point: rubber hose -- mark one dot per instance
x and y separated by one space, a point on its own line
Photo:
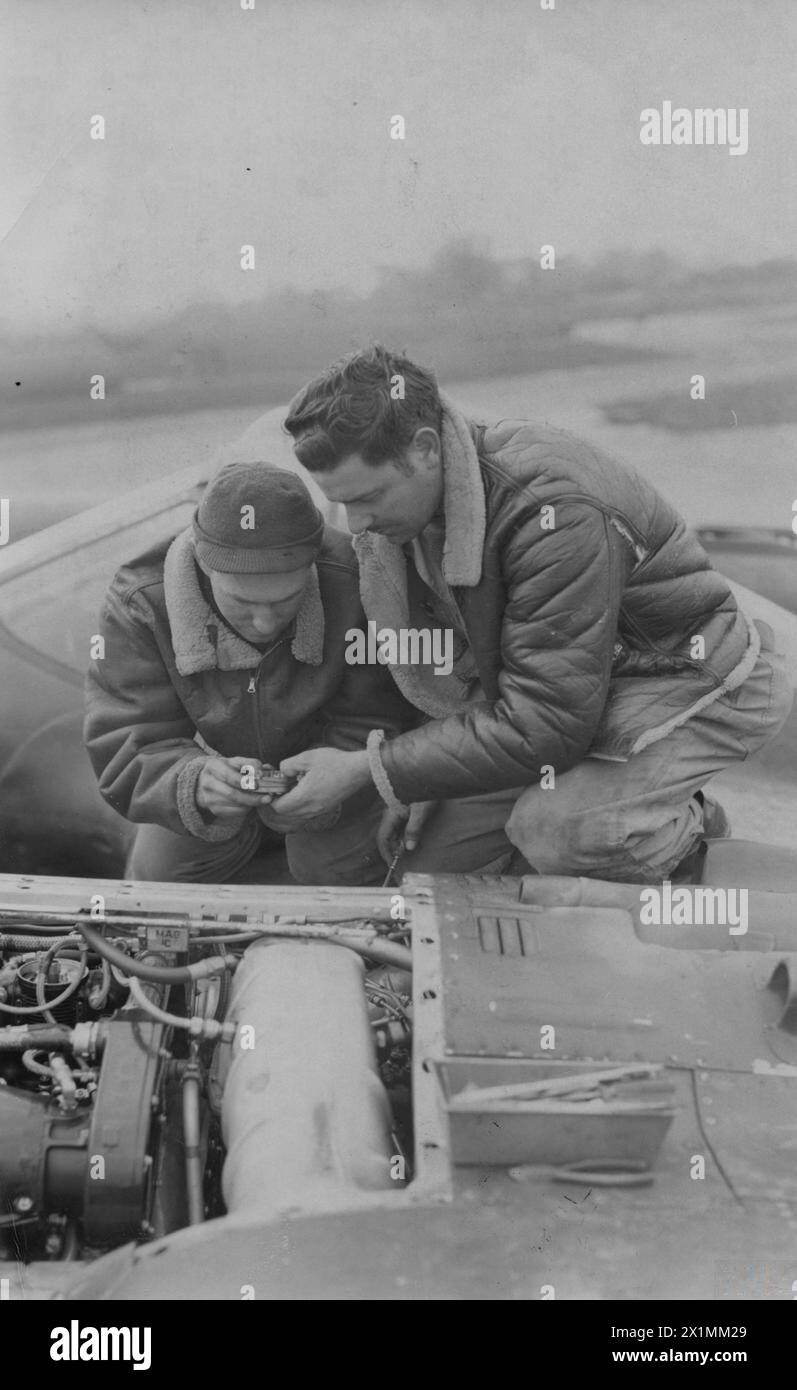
193 1169
164 974
43 1038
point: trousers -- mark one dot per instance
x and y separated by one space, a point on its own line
462 836
634 821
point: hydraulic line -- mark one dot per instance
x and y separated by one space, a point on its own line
88 1038
98 997
386 952
43 1039
191 1132
208 1028
43 1069
27 943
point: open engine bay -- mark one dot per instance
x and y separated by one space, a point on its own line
361 1092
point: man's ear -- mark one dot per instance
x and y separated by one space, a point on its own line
426 445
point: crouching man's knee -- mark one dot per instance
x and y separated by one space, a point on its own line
556 837
535 828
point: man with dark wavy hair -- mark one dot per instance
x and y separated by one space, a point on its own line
604 671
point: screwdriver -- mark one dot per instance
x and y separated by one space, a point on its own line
393 864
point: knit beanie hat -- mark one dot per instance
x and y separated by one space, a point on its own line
255 518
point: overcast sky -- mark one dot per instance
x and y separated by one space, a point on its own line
271 127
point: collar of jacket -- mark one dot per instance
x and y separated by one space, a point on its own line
383 566
203 642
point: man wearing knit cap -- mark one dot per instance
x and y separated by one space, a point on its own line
224 655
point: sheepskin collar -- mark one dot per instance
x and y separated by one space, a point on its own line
202 641
383 566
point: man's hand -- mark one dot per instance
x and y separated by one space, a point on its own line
219 791
396 828
326 777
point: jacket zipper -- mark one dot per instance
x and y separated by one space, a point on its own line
252 689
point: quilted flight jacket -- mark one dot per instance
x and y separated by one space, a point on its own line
582 592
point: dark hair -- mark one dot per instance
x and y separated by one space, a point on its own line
349 409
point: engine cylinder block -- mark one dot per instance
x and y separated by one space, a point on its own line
305 1118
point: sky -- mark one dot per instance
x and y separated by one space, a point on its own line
271 127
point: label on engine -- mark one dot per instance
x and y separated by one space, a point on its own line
167 938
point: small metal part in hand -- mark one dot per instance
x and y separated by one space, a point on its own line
393 865
275 782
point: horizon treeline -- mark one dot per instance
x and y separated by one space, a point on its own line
465 314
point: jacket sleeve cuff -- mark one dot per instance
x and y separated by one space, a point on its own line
381 780
189 812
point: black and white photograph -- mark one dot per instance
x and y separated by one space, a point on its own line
398 635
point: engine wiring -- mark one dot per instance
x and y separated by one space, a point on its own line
155 989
